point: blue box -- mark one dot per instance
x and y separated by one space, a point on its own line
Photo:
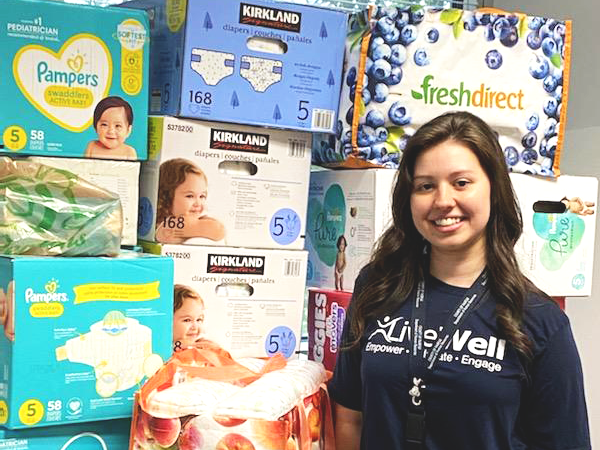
78 336
103 435
202 66
74 80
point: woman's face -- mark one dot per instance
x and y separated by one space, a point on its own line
113 127
188 322
450 201
189 197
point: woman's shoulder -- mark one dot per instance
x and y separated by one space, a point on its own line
542 318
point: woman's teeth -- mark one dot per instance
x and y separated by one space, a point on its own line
447 221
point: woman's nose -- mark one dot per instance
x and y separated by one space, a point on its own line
444 197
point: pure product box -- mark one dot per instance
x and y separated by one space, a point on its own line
213 183
102 435
327 310
120 177
253 298
80 335
254 62
347 212
77 80
556 249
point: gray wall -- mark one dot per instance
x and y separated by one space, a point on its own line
581 156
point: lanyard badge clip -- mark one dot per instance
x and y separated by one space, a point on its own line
415 391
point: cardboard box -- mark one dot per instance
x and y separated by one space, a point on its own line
556 250
103 435
254 62
59 61
249 185
327 310
253 298
80 335
347 212
120 177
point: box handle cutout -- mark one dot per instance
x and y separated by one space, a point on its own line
548 207
267 45
237 168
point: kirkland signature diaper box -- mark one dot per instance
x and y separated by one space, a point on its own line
255 62
120 177
80 335
101 435
347 212
210 183
77 80
253 298
327 311
556 249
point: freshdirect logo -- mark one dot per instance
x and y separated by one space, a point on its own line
483 97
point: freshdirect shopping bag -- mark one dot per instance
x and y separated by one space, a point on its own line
407 65
205 399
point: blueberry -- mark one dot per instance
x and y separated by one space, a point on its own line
432 35
545 31
381 134
390 11
339 127
488 33
398 55
385 25
347 150
420 57
535 23
398 114
364 152
538 67
381 92
366 96
546 164
402 20
529 156
375 118
557 94
510 38
550 128
395 77
392 37
493 59
376 42
395 157
551 146
368 64
349 115
483 19
351 76
381 69
380 52
534 41
533 121
559 32
408 34
378 150
549 46
365 136
511 155
501 27
352 93
529 140
550 106
346 137
416 16
550 83
470 24
512 19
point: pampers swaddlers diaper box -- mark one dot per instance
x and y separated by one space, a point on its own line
254 62
80 335
347 212
556 249
77 80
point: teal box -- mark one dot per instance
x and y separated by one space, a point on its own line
78 336
104 435
74 80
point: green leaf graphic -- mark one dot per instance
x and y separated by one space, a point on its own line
556 60
416 95
457 28
450 16
522 28
394 135
415 8
361 107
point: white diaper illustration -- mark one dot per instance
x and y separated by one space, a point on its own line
120 350
260 72
212 66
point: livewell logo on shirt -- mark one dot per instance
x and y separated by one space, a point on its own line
394 336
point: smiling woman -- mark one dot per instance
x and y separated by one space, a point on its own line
447 345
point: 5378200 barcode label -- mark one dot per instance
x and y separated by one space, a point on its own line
322 119
291 267
296 148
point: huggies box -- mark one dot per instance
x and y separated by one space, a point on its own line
327 310
120 177
74 79
80 335
254 62
556 249
209 183
347 212
101 435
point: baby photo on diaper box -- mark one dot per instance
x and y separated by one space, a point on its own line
209 183
77 78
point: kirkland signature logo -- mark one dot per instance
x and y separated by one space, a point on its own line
243 264
263 16
238 140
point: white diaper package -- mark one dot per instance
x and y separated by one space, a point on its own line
120 177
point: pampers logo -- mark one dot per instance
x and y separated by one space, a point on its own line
239 140
481 97
397 337
70 78
51 294
254 265
263 16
